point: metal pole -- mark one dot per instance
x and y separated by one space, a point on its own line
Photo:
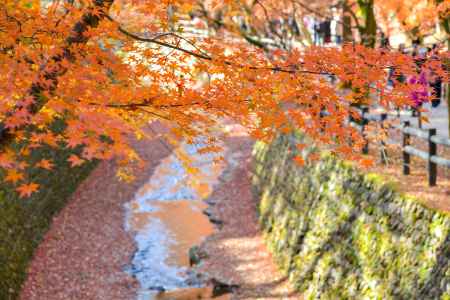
432 151
383 153
406 156
364 124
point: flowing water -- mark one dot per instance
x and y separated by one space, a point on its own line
167 220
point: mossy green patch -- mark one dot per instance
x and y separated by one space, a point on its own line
24 221
340 234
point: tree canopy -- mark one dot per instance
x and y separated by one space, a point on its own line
107 68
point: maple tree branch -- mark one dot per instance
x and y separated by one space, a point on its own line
19 23
156 40
145 103
88 20
348 8
155 114
129 106
203 55
266 14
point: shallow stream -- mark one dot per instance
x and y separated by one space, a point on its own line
166 219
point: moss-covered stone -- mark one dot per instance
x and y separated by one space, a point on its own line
340 234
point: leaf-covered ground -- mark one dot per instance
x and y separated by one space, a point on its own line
84 254
237 253
415 184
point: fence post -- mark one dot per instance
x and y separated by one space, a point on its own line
364 123
432 150
406 156
383 153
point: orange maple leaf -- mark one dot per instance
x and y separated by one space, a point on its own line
25 190
266 93
300 147
22 165
75 160
6 159
367 162
45 164
299 160
13 176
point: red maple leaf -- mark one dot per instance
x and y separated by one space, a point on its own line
75 160
25 190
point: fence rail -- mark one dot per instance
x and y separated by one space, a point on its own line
429 135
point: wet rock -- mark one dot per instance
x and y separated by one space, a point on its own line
157 288
212 288
210 202
196 255
217 222
207 212
195 279
220 288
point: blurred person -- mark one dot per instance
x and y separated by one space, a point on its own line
420 94
436 80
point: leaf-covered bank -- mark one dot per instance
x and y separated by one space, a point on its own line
341 234
24 221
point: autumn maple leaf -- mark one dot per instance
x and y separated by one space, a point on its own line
6 159
299 160
97 88
367 162
45 164
75 160
22 165
25 190
13 176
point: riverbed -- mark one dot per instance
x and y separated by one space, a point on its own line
166 217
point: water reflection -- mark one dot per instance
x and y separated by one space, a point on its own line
166 218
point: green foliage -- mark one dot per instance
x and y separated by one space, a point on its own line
339 234
24 221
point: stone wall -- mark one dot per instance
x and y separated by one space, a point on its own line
341 234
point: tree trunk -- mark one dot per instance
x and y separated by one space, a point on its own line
89 20
369 30
347 35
